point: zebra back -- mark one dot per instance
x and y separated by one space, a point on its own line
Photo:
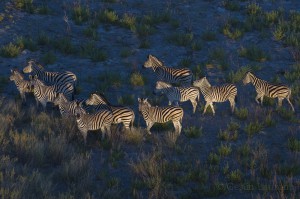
182 76
159 114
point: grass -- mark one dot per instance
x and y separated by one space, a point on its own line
134 136
193 132
27 43
235 176
108 16
226 135
91 32
25 5
80 13
219 56
213 159
126 100
128 21
253 128
224 150
10 50
181 38
253 53
294 144
209 36
136 79
93 52
64 45
108 80
231 5
241 113
49 58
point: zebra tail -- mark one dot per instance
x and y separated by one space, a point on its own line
132 121
290 93
235 99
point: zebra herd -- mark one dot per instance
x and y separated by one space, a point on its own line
59 88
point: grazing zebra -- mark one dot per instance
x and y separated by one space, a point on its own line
178 94
121 114
216 93
263 88
156 114
50 78
22 85
101 119
182 76
44 94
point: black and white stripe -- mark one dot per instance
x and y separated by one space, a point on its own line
50 78
216 93
157 114
44 94
102 120
178 94
263 88
22 85
66 107
181 76
121 114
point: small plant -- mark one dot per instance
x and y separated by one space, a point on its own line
126 52
231 5
294 144
181 39
244 150
219 56
108 16
49 58
193 132
91 51
278 33
235 176
288 115
26 5
64 45
237 76
136 79
126 100
232 33
253 9
213 159
145 44
43 39
228 135
10 50
224 150
269 121
107 80
241 113
209 36
80 13
91 32
129 21
44 10
233 126
253 53
26 43
134 136
185 62
198 70
253 128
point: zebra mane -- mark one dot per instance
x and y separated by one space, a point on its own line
36 64
206 82
155 60
101 97
163 84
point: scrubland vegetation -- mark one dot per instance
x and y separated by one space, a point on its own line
251 153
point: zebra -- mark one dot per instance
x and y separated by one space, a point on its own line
157 114
66 107
22 85
44 94
178 94
216 93
121 114
101 119
183 76
50 78
263 88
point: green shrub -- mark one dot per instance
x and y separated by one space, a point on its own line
253 53
26 5
253 9
209 36
232 33
10 50
80 13
91 51
294 144
241 113
126 52
91 32
136 79
64 45
253 128
213 159
181 39
234 77
231 5
49 58
106 80
127 99
108 16
129 21
235 176
228 135
27 43
44 10
43 39
224 150
193 131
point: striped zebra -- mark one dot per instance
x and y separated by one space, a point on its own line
101 119
121 114
66 107
44 94
178 94
181 76
157 114
50 78
216 93
263 88
22 85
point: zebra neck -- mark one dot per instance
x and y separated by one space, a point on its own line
205 90
256 81
145 113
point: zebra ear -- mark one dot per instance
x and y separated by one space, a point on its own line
139 99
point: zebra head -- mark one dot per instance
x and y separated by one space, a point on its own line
200 82
160 87
31 65
79 111
247 78
152 62
143 104
59 98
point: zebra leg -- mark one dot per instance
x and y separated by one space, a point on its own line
108 131
288 99
149 125
232 104
259 95
103 132
279 102
84 134
194 103
212 108
206 105
261 100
